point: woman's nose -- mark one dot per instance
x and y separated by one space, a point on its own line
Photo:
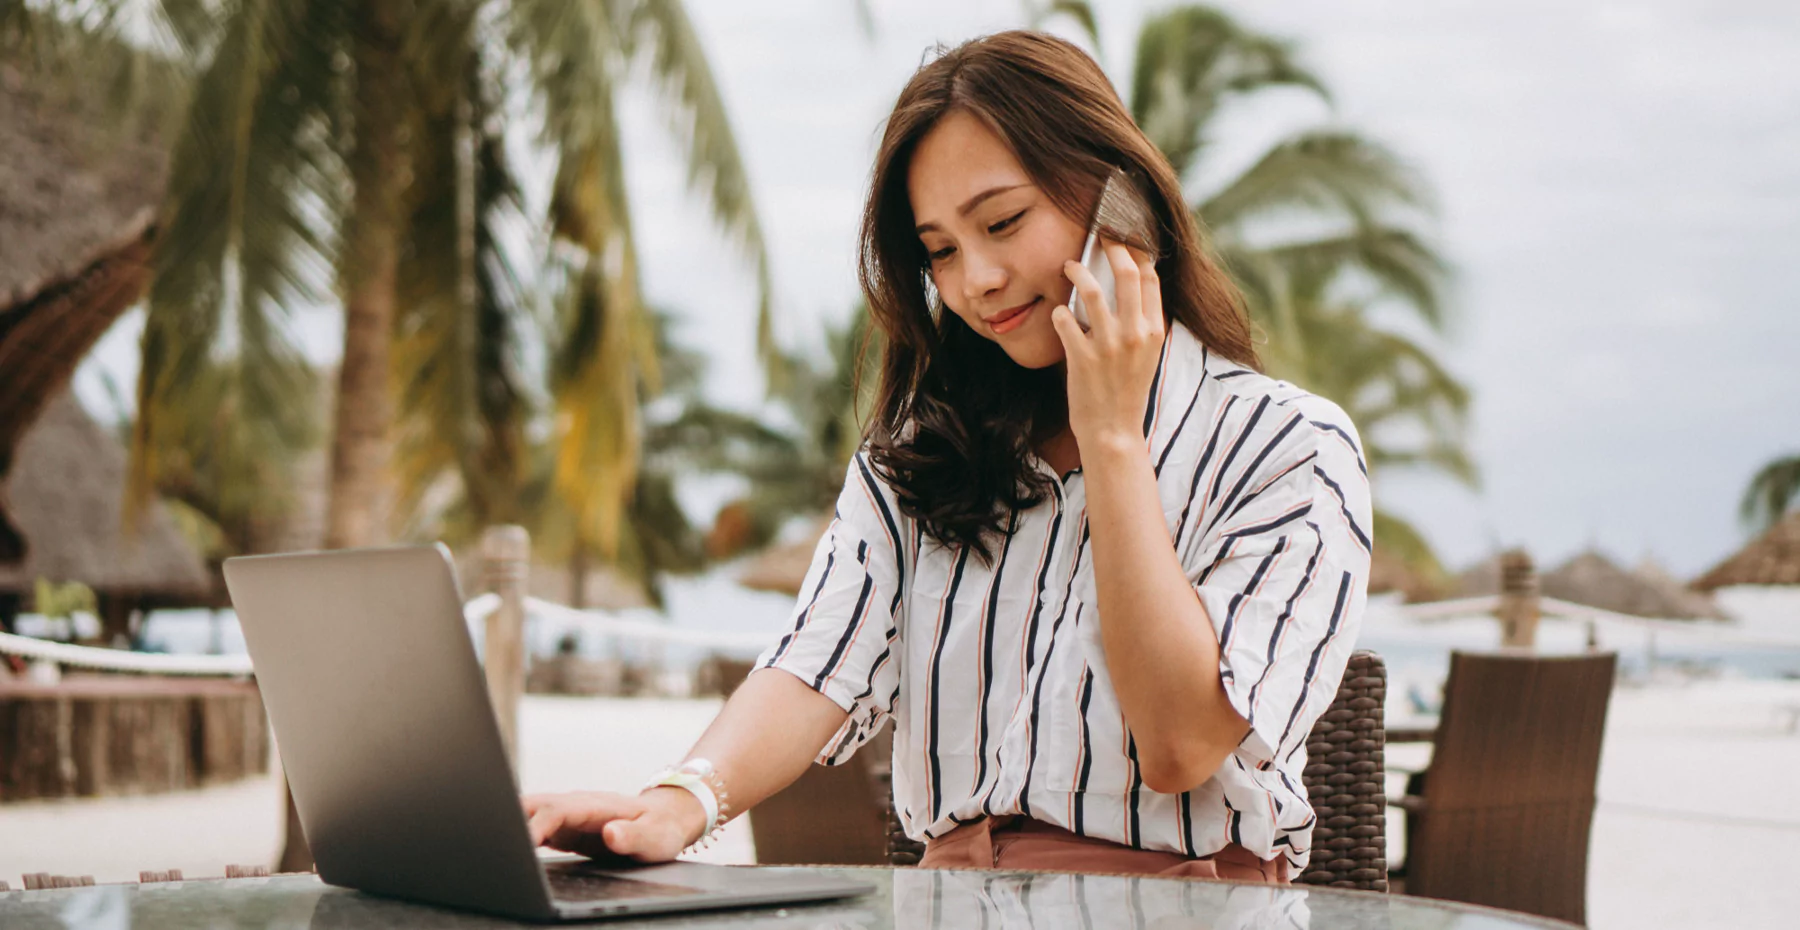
982 275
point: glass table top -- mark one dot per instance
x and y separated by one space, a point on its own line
903 898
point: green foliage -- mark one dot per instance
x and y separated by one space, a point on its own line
1771 492
62 601
1039 12
603 358
1404 543
465 312
261 201
224 396
1315 294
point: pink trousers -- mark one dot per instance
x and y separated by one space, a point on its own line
1022 843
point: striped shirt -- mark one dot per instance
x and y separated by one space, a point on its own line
995 678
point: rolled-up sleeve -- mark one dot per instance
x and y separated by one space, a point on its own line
842 640
1283 574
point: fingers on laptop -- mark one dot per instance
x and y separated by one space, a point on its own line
573 822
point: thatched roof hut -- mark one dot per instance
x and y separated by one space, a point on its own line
1770 559
65 492
78 197
1592 579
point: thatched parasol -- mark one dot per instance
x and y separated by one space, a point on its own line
1687 601
1388 572
1772 558
65 493
1592 579
77 207
782 567
1478 580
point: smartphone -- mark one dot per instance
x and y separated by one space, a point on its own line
1093 257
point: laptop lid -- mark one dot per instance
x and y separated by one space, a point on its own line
384 726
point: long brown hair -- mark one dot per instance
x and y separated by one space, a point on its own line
961 467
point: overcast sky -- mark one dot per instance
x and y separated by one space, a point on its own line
1619 187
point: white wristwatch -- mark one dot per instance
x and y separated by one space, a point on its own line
699 778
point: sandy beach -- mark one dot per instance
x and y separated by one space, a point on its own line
1695 786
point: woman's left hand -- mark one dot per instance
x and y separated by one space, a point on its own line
1110 367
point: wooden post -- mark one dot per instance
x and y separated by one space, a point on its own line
505 561
1519 611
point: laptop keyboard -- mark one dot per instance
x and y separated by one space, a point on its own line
584 887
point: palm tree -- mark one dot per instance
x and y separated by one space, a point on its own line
337 137
1774 489
799 469
1311 292
326 141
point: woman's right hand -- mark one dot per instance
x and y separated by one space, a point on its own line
651 827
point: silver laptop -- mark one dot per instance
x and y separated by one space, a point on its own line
393 754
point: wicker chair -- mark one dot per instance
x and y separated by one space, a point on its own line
1503 814
1343 777
831 815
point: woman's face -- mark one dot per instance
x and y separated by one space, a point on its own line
997 243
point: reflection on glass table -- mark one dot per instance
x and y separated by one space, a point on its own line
904 898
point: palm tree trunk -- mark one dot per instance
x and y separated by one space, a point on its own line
361 442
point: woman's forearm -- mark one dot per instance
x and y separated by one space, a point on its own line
1161 650
766 735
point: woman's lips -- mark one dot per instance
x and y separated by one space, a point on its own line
1013 319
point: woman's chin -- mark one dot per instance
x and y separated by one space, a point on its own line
1035 353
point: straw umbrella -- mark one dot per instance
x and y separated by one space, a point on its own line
1480 579
1666 585
1770 559
1592 579
64 494
781 568
1389 572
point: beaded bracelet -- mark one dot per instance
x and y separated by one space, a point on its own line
701 779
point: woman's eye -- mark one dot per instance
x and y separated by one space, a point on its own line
942 253
1003 224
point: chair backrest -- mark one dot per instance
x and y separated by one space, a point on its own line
1345 782
831 815
1508 801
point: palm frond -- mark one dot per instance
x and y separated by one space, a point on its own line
1080 11
604 347
1399 539
595 390
1321 171
254 194
1410 409
715 163
80 49
1774 489
1396 259
457 347
1189 60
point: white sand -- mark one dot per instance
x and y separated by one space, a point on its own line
201 832
1696 785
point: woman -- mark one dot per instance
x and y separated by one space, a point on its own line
1102 582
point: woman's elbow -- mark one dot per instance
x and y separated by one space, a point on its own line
1178 770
